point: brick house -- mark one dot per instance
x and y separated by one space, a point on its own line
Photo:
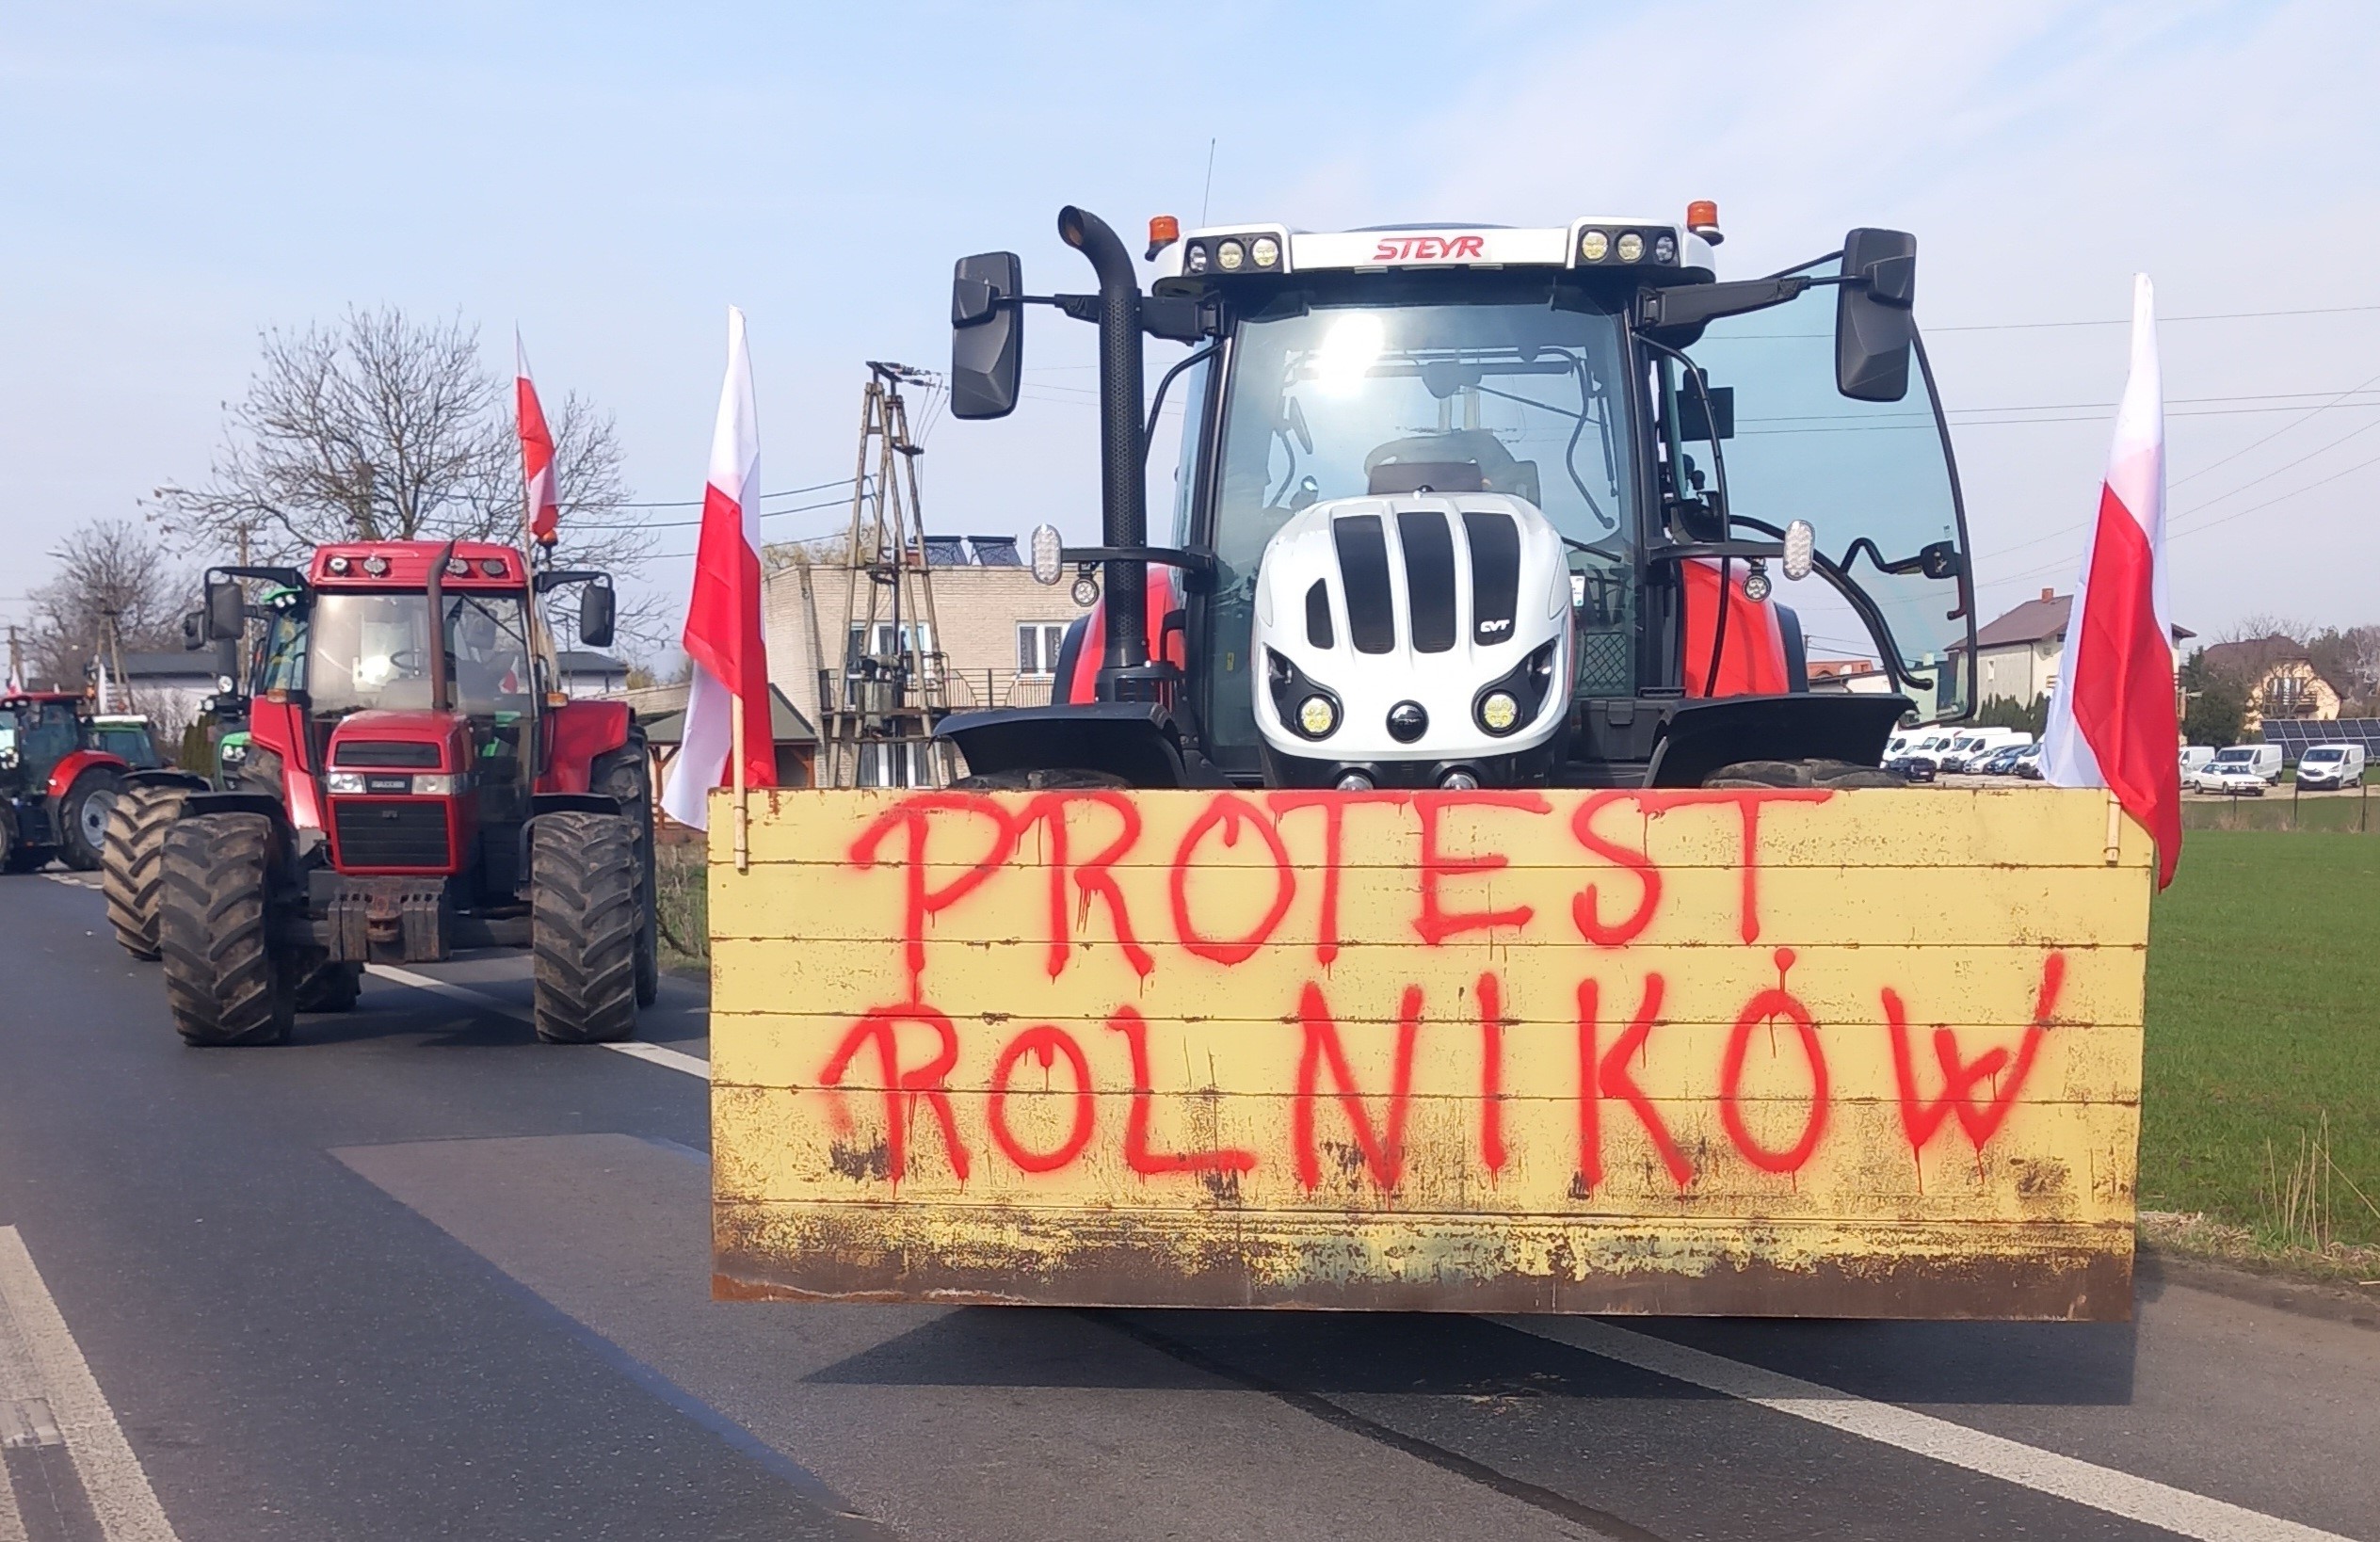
999 630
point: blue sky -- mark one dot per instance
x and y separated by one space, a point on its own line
174 177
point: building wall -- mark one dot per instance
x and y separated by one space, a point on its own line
2017 671
978 611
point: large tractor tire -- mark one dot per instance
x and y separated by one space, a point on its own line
82 819
1839 774
588 909
625 774
223 981
131 865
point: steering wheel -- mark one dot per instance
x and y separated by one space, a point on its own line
407 661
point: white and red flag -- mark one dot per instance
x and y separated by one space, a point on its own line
2112 715
541 510
723 620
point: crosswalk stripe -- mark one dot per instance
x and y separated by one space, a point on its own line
40 1364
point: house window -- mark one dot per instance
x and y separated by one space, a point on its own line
1038 645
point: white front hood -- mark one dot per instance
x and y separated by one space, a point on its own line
1423 598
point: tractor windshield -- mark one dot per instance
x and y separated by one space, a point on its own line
372 650
1873 479
1513 390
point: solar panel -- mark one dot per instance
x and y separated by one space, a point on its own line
2295 735
996 551
945 551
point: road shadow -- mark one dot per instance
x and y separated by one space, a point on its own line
1451 1354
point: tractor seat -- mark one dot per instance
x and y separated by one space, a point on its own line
1458 461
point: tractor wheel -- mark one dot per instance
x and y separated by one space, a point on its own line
129 872
223 980
588 909
623 774
331 987
1052 779
1840 775
82 819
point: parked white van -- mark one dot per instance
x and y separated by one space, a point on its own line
2241 768
1974 744
2328 767
2195 756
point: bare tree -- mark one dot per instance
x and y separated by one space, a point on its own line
381 427
111 594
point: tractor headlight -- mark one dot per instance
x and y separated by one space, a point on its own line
1316 716
343 781
1498 711
440 784
1632 248
1594 245
1308 708
1267 251
1231 256
233 755
1194 259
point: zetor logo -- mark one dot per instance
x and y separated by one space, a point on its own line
1427 249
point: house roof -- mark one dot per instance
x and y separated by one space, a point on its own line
2037 621
662 710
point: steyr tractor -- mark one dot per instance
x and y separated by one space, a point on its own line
59 772
1468 506
414 783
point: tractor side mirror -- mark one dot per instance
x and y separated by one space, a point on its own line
1874 324
194 631
987 335
226 611
595 616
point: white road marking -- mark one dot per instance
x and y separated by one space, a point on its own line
676 1060
39 1362
74 880
2068 1478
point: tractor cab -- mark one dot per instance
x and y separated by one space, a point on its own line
1462 506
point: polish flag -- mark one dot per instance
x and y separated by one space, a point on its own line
541 508
723 619
2112 716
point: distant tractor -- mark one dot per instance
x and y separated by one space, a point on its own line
413 783
58 778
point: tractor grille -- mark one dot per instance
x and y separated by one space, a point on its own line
385 752
373 832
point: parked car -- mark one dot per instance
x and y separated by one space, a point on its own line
2001 762
1915 767
2240 769
2327 768
2029 762
1975 743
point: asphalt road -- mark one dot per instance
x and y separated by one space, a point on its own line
417 1276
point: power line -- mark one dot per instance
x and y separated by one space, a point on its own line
783 493
2126 321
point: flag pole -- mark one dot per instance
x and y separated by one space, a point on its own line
743 792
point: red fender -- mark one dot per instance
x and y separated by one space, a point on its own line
63 774
1164 600
575 734
1752 661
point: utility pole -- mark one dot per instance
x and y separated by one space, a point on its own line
16 657
888 690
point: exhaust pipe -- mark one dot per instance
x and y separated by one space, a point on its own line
1123 673
437 586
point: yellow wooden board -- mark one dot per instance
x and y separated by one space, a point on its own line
1820 1054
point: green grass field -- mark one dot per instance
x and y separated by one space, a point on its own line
2264 1019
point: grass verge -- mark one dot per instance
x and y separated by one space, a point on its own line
2260 1095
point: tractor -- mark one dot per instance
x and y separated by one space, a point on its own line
413 783
59 771
1467 506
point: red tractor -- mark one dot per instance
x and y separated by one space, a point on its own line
58 778
415 783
